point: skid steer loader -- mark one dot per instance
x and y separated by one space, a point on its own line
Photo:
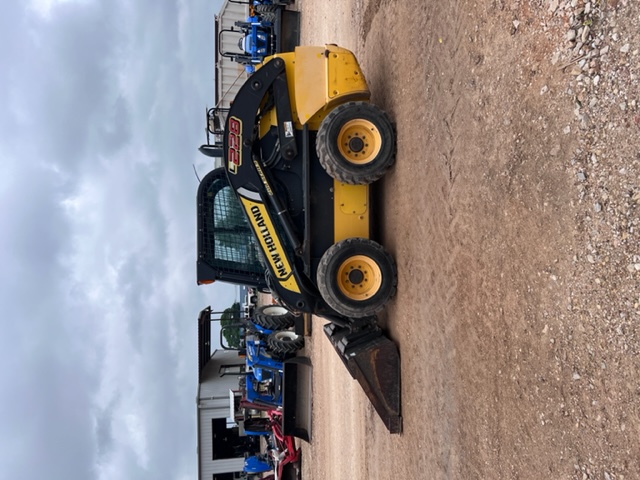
290 211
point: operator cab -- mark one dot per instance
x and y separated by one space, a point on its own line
227 248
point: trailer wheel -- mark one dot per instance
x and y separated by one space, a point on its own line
356 143
285 343
273 317
357 277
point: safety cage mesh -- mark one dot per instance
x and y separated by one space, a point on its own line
226 241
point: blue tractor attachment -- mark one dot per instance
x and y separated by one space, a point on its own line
268 29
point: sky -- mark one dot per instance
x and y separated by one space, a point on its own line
103 107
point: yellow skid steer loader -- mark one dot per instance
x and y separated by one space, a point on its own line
289 211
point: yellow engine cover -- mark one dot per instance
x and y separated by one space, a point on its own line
334 67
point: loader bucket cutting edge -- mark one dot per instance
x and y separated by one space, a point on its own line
373 360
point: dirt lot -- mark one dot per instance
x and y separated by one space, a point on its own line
513 215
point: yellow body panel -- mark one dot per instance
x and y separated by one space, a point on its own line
334 67
350 211
267 121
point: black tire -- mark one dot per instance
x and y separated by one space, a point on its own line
266 12
273 317
285 343
356 143
357 277
264 8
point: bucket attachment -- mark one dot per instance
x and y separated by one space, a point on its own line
288 28
373 360
296 398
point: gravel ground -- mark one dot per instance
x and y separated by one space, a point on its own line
513 215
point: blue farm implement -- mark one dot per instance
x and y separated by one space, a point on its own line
275 378
269 29
281 456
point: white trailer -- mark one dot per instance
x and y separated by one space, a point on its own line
229 75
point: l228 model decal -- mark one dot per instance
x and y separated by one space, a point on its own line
234 152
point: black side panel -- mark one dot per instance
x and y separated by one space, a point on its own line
321 216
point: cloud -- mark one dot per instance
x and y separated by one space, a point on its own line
44 8
103 428
104 113
62 84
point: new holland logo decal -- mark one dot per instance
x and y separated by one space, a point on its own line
270 244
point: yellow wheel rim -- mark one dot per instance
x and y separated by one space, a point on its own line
359 278
359 141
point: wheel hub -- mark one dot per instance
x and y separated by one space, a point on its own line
359 277
356 276
359 141
356 144
286 336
